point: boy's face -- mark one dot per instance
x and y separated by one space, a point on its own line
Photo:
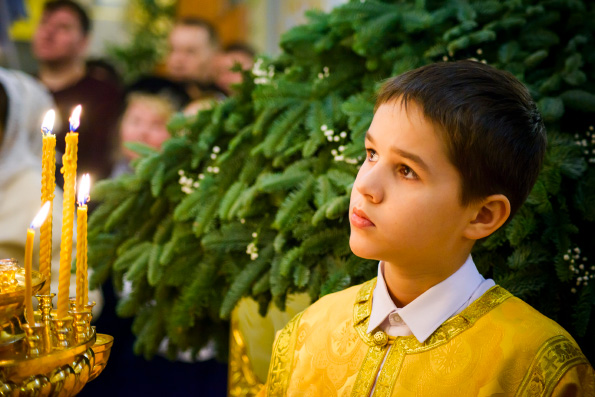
405 203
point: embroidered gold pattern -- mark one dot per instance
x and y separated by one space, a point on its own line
408 345
390 370
367 373
552 361
362 310
283 351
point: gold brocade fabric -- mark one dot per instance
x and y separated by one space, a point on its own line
499 345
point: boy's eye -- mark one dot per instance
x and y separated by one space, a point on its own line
407 172
372 155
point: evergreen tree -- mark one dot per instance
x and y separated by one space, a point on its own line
150 23
250 198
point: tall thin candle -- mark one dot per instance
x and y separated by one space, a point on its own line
69 170
82 287
35 224
48 169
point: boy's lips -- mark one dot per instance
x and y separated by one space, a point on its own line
360 219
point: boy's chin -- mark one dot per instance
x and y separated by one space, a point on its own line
361 249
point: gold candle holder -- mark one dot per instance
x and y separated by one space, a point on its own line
61 332
81 325
34 339
44 304
89 307
81 320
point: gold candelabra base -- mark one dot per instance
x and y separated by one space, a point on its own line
61 372
51 357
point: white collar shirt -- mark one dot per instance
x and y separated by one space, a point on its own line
427 312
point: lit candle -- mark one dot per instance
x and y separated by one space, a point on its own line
35 224
69 171
48 169
82 287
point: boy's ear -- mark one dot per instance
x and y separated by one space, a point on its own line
490 214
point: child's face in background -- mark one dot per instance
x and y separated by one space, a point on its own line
143 123
405 204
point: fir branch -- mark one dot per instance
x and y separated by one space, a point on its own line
262 285
157 180
205 216
324 191
337 281
155 270
138 268
287 121
140 148
582 311
243 282
301 276
338 206
229 199
288 260
119 213
130 256
281 181
292 204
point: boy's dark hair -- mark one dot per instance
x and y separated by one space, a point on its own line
76 8
204 24
492 129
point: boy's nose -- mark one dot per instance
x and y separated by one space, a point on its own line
368 183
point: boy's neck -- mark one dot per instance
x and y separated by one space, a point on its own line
406 282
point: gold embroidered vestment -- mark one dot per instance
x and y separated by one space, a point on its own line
499 345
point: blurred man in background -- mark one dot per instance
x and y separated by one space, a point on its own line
59 44
193 44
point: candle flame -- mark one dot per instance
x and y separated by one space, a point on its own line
85 186
41 216
75 118
48 122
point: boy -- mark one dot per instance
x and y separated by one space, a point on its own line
452 152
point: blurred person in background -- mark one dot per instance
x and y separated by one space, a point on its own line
59 44
144 120
102 69
193 44
150 102
23 104
224 62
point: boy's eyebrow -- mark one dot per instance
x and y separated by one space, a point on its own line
413 157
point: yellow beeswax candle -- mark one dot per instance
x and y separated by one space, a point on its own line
81 245
29 276
48 170
69 170
37 222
